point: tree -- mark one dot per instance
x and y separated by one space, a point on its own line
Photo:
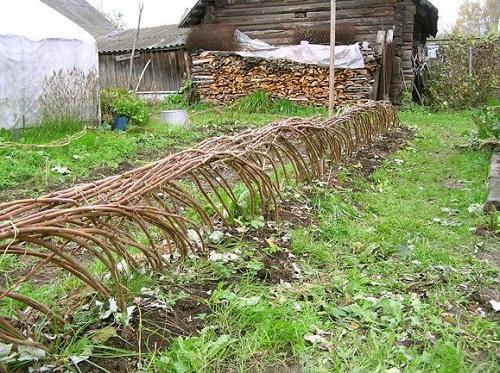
116 18
492 15
478 17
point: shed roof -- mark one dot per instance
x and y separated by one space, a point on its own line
195 14
84 15
159 37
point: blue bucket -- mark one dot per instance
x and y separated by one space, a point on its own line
120 123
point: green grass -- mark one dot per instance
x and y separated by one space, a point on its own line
382 281
389 268
29 171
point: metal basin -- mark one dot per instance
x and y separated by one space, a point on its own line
175 117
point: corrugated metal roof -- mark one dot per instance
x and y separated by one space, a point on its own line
84 15
159 37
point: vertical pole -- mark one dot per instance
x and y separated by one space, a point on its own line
470 61
333 20
131 66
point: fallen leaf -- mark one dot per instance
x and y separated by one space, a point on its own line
61 170
86 353
194 237
320 341
495 305
252 301
218 257
30 353
475 208
113 308
123 318
216 236
5 351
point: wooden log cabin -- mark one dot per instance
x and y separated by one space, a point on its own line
411 21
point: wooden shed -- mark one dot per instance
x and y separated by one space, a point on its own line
411 22
161 48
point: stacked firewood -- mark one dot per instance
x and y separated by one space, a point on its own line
223 77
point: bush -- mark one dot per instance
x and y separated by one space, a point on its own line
487 120
345 34
120 102
133 108
188 96
212 38
108 98
451 85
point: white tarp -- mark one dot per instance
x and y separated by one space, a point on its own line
35 42
346 56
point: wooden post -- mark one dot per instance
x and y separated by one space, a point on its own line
131 67
470 61
142 76
333 20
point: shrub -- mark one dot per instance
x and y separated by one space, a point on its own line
117 101
133 108
345 34
452 84
174 101
487 120
186 97
213 38
108 98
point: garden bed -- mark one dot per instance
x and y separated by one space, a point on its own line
385 253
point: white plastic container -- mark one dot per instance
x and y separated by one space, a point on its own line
175 117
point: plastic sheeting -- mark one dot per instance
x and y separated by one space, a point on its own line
35 42
346 56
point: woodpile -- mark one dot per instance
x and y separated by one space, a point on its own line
223 77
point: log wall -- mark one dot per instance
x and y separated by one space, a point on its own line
274 21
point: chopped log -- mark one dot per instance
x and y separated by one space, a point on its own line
223 77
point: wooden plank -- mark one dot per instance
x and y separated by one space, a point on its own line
493 200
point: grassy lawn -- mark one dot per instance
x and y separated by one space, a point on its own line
29 171
390 276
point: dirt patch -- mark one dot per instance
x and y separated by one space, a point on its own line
487 231
278 268
155 327
277 262
453 184
367 159
295 213
481 297
287 365
102 172
492 258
